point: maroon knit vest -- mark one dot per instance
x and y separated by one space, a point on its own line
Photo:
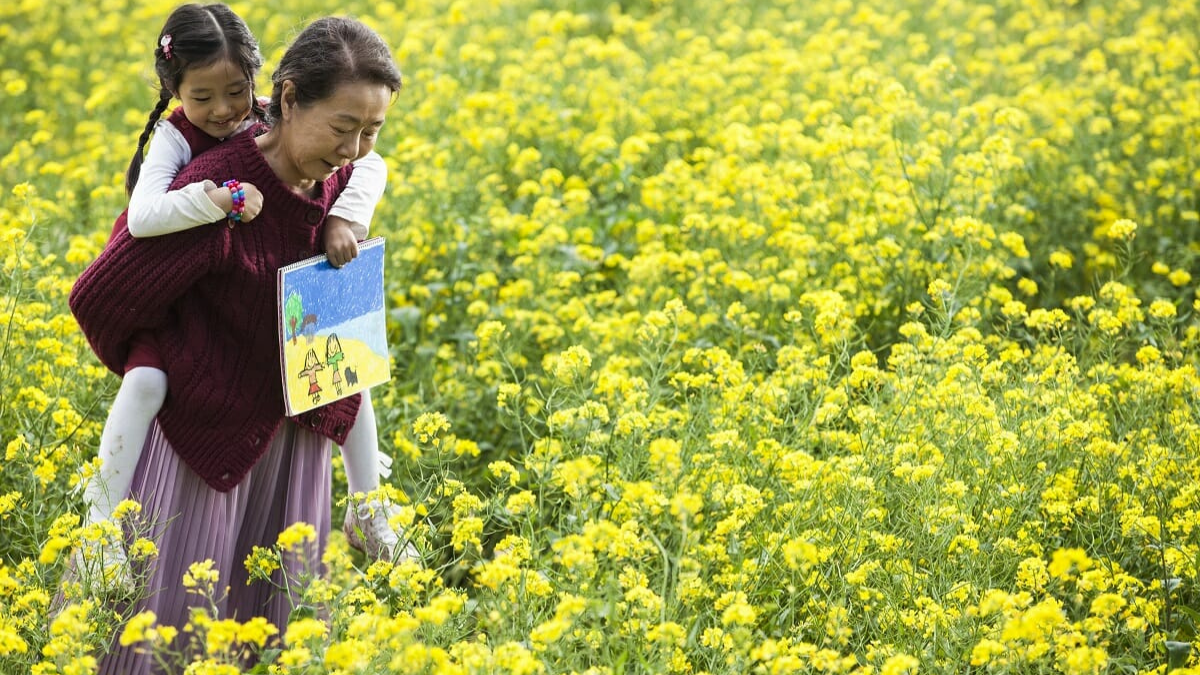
197 140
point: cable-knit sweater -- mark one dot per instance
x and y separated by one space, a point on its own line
208 296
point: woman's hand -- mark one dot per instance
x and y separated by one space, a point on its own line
340 244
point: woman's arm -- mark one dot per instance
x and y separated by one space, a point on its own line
155 211
357 202
133 283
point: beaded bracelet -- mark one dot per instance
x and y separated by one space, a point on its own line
239 199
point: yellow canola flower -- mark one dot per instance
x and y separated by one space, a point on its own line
900 664
1085 660
517 659
304 630
986 650
350 655
1066 562
11 641
520 503
1162 309
506 393
201 577
261 563
1121 229
53 549
1106 605
428 425
505 472
135 628
1179 278
739 613
256 631
570 365
15 447
440 609
295 535
1061 260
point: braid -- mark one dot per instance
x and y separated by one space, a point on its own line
135 165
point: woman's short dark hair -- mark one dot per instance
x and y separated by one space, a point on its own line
332 51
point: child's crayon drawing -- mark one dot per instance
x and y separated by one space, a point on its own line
332 328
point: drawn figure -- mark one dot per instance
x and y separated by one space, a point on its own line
333 359
311 365
351 376
293 310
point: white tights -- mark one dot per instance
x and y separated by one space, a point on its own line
141 395
360 454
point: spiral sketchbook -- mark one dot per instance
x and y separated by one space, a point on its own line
332 328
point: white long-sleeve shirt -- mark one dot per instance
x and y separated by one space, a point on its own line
155 211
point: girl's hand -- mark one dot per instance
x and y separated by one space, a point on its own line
340 245
223 199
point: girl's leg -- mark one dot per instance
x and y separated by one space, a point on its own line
360 454
142 393
366 524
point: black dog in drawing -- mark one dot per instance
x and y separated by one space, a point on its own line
351 376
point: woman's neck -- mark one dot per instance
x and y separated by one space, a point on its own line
272 148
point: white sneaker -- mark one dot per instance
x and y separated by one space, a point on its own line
367 529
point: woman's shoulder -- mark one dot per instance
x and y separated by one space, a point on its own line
227 158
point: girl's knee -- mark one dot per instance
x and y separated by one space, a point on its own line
146 386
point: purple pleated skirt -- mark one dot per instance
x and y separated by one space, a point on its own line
193 522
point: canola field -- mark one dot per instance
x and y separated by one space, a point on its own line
733 337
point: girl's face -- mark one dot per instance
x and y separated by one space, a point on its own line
216 98
320 138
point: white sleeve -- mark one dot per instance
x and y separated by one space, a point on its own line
154 211
363 191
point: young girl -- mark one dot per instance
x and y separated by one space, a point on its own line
208 59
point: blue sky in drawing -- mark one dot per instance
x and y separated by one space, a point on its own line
339 296
368 329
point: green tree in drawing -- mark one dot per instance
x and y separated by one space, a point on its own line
293 313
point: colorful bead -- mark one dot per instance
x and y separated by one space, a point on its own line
238 194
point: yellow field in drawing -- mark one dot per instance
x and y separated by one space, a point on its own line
310 361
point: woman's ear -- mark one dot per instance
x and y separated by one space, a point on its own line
287 99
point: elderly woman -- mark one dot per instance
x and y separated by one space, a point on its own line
222 470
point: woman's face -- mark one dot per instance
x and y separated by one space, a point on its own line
322 137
